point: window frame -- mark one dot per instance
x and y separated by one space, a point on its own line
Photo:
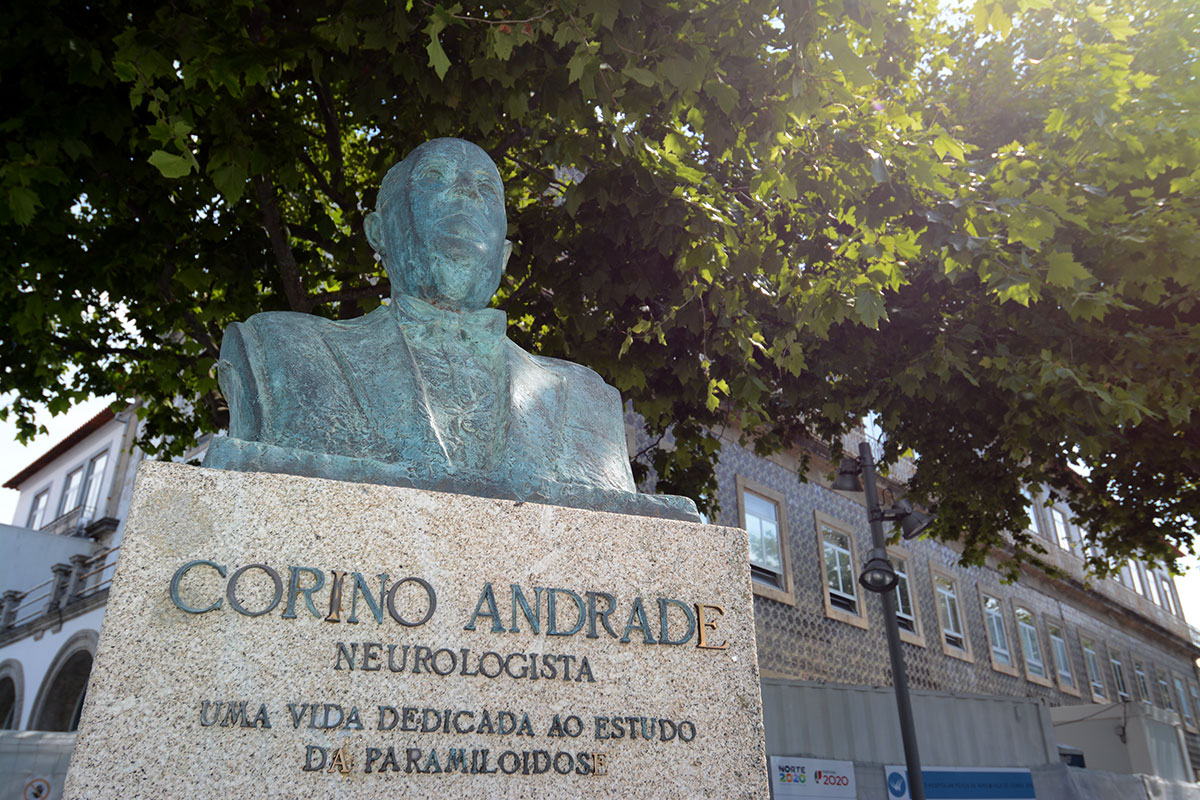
1152 588
1166 585
998 666
1031 508
1164 689
1091 668
64 497
917 635
33 509
1137 584
858 617
1186 713
1119 683
90 479
1142 681
783 590
1041 680
1058 662
962 653
1062 531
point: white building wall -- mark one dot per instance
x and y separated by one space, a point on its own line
53 476
35 655
29 555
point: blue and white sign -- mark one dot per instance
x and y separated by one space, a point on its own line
963 783
812 778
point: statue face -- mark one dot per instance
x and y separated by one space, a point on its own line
443 231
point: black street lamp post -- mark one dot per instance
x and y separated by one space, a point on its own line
880 577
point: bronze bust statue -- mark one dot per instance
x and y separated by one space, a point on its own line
427 391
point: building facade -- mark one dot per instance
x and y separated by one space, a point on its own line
1063 641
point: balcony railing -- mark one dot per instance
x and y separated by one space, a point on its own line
69 584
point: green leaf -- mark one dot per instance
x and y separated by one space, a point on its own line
683 72
868 304
1055 120
643 76
1119 27
171 166
1064 270
230 180
437 57
125 71
879 170
22 203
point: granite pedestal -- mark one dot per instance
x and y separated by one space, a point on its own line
273 636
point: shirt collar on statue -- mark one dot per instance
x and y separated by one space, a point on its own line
485 326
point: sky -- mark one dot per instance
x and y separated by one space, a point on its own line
15 457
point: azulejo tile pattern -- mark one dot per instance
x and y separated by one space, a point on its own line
801 642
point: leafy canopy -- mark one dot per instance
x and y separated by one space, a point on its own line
774 216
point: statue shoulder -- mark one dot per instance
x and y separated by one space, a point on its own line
289 327
585 389
576 375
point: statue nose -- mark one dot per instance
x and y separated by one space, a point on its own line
465 186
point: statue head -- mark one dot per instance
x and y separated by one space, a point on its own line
440 225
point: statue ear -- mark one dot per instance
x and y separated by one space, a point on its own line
504 257
373 225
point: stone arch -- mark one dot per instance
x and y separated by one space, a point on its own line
12 694
60 698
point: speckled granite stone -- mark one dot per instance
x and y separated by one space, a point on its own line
161 671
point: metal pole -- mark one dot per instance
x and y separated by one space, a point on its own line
908 733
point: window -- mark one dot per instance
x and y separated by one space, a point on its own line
906 615
906 603
1123 577
1139 677
1031 510
1031 646
1091 663
1170 603
1119 678
764 518
37 513
837 551
1059 521
954 637
1165 691
1195 694
1062 659
1152 588
1184 705
70 495
997 632
762 523
1135 574
839 571
92 483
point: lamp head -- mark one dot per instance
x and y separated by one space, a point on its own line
878 574
847 477
912 522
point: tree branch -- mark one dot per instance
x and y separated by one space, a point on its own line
289 270
334 194
196 327
381 289
333 133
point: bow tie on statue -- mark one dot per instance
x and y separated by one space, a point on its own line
483 329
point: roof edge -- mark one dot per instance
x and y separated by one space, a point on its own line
75 437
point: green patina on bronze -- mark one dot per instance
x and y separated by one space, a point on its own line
427 391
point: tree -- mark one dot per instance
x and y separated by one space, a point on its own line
776 215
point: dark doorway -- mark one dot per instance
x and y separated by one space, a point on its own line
63 699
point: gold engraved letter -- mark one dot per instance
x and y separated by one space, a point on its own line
705 625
